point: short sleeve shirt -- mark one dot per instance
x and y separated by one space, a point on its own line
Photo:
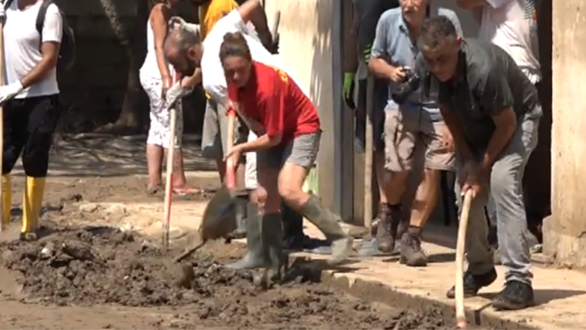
488 81
272 103
394 44
212 12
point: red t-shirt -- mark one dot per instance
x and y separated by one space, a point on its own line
273 101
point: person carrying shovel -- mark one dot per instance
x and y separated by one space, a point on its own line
288 128
493 112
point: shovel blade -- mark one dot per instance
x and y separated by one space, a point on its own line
219 217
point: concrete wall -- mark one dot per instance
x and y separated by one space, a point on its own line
306 51
565 231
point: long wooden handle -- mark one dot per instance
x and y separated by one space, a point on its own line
276 23
230 175
368 154
2 83
460 249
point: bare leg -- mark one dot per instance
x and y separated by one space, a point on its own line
179 181
425 200
154 155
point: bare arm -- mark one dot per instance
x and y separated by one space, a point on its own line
51 42
351 52
252 11
377 64
506 124
193 80
457 134
159 18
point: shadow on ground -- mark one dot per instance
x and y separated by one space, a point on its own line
109 156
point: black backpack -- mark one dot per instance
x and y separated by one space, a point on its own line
67 47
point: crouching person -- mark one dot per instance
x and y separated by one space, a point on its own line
288 126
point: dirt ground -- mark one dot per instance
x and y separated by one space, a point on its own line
82 275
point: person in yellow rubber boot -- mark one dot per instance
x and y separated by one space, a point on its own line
31 102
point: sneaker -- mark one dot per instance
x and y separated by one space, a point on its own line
473 283
514 296
411 253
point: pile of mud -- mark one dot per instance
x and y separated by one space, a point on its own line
100 265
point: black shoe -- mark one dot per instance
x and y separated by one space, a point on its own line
473 283
515 295
411 253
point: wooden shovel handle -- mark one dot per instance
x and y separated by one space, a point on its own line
230 178
460 249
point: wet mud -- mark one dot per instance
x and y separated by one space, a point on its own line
106 266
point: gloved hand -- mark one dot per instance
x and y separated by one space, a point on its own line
366 53
7 92
176 92
348 90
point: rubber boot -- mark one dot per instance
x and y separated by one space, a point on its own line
272 233
324 220
6 199
240 231
255 256
31 207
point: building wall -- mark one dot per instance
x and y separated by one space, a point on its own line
565 231
306 53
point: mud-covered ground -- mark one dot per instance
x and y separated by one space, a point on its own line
94 266
86 273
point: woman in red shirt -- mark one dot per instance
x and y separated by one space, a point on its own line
288 129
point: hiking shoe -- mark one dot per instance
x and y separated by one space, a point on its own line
514 296
411 253
386 232
473 283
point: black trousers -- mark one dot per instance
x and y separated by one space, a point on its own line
28 130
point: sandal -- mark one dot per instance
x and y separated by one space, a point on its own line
186 190
154 190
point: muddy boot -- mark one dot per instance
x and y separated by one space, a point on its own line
386 233
411 253
6 199
241 221
272 233
324 220
255 257
31 208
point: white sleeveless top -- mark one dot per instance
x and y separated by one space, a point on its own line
149 66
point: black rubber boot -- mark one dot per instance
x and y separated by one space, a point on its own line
324 220
255 256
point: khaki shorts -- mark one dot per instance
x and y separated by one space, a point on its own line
215 131
301 151
411 136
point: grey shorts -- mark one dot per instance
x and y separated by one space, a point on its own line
301 151
215 131
378 116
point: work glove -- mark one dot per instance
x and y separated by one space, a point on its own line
367 53
348 90
177 92
7 92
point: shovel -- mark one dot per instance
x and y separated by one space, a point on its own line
460 247
219 217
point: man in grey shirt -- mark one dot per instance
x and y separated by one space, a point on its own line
492 111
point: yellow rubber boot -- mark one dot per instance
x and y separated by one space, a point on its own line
6 199
31 207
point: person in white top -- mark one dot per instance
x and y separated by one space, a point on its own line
512 25
156 78
31 102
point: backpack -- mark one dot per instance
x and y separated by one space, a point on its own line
67 47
